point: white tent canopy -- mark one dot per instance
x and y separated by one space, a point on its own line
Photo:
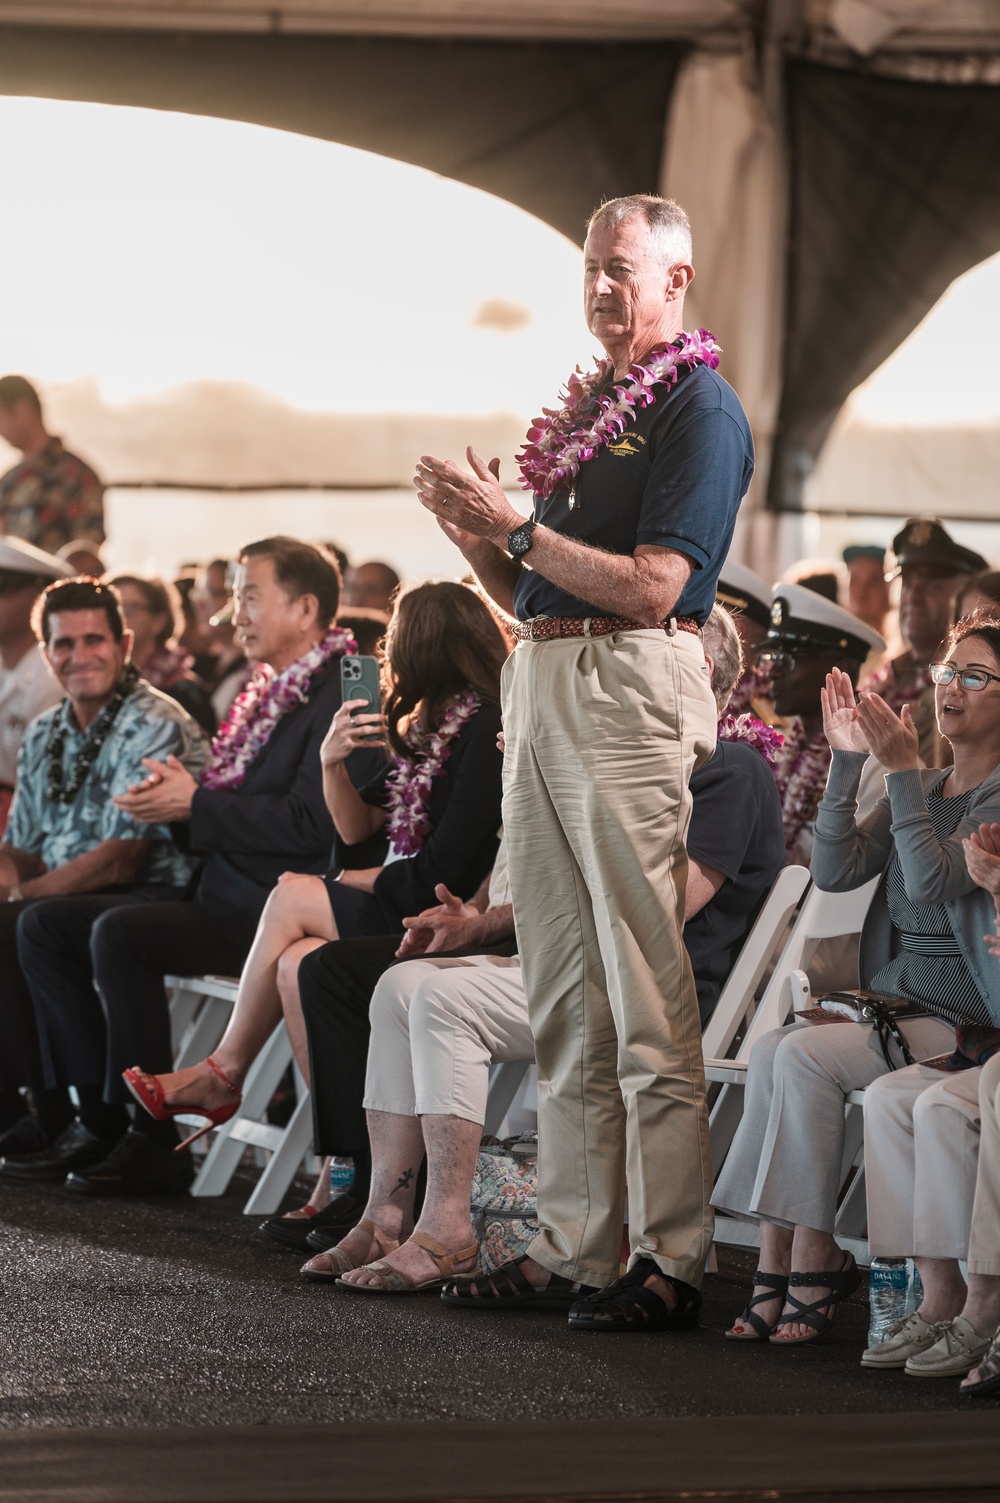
726 157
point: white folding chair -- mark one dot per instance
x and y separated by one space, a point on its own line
288 1146
200 1008
823 915
736 1001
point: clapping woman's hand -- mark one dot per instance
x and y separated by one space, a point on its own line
841 725
982 857
347 734
892 738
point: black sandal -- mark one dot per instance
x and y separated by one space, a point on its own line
626 1305
773 1285
507 1288
840 1284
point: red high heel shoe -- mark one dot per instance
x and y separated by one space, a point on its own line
149 1093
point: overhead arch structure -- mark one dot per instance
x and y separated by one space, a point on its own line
840 158
552 126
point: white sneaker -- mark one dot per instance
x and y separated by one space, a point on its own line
957 1350
904 1339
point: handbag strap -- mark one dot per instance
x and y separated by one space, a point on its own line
886 1027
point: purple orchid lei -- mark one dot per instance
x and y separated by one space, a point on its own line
267 698
408 785
763 738
559 442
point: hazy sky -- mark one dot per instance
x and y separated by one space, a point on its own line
149 249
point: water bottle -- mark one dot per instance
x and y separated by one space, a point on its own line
341 1176
890 1295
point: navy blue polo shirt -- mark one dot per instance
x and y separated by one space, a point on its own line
675 478
735 829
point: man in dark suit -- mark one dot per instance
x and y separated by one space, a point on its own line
256 812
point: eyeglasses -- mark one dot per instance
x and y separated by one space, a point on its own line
784 662
973 679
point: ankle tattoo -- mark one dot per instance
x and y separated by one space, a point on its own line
403 1182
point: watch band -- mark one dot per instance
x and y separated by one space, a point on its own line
519 540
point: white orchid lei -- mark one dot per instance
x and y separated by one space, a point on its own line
560 441
267 698
408 785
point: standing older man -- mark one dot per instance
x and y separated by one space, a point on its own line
608 709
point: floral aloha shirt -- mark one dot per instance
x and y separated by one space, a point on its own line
51 499
149 724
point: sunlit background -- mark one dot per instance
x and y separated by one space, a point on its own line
206 303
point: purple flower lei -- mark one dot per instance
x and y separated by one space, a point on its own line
763 738
408 785
267 698
559 442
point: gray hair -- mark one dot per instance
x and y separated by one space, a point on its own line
723 646
668 225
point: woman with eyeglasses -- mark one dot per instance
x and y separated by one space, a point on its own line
922 941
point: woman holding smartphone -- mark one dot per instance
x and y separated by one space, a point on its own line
437 800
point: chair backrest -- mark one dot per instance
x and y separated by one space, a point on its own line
823 915
758 952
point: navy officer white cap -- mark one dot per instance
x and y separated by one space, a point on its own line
800 617
18 557
741 589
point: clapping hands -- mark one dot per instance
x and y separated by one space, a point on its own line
841 724
867 723
982 857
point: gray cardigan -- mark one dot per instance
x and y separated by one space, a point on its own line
847 855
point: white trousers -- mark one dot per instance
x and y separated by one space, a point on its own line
926 1135
437 1023
984 1239
785 1164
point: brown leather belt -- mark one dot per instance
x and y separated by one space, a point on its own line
546 628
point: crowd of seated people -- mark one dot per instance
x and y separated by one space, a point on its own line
199 795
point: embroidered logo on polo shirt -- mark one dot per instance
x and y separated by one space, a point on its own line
626 445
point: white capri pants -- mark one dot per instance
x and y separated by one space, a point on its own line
921 1151
925 1136
785 1162
437 1024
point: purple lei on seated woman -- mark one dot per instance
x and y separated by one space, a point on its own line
763 738
267 698
408 786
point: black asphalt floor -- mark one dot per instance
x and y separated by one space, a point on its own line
177 1312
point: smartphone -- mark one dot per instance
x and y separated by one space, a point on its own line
360 679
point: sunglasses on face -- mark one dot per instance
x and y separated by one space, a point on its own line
784 662
972 679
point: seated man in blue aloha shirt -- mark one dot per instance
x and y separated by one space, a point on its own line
66 837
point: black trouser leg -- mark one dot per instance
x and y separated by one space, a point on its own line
20 1056
133 949
336 985
53 945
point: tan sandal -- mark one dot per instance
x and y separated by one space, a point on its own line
394 1281
331 1264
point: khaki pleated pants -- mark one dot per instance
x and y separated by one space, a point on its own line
602 736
